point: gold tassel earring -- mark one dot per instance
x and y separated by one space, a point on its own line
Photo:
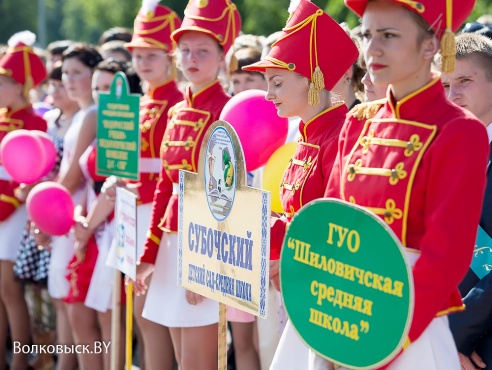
313 95
318 79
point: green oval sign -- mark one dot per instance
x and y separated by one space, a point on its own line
346 285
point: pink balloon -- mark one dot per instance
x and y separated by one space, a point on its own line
50 207
49 151
260 130
23 156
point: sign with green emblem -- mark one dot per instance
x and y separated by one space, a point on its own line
118 133
224 228
346 284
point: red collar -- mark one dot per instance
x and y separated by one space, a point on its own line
421 100
336 113
198 98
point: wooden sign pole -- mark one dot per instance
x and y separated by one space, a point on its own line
222 363
115 320
129 324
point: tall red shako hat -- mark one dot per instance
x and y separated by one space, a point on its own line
21 63
302 48
443 16
153 27
217 18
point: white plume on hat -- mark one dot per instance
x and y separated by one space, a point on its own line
293 5
26 37
149 5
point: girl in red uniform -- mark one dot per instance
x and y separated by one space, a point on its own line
300 75
207 33
151 56
417 161
20 70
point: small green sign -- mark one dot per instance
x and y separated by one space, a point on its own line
346 285
118 133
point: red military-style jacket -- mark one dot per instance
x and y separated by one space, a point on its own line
154 108
188 122
22 118
419 164
307 175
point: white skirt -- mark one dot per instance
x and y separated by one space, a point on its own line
291 352
99 295
433 350
11 234
166 302
62 250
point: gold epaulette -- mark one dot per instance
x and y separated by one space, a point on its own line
368 110
175 108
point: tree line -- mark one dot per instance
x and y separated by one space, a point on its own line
85 20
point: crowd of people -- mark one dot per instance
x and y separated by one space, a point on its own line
393 115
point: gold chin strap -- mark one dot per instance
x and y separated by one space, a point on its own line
174 70
28 83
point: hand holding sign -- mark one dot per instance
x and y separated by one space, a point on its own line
346 284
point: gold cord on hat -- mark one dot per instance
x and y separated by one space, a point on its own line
28 81
448 42
229 11
415 5
289 66
167 20
317 79
164 21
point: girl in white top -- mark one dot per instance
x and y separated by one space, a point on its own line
77 67
94 278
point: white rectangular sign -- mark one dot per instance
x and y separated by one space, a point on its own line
124 248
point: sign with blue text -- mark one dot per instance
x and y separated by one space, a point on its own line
224 226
